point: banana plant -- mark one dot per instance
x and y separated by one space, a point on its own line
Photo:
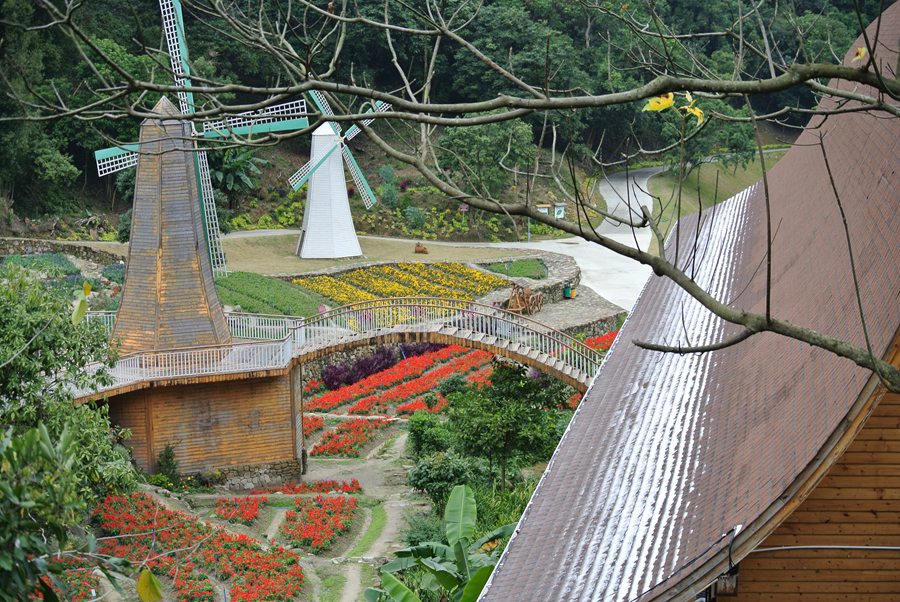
460 568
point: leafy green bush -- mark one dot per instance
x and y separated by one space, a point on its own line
423 526
428 434
123 234
454 384
436 475
261 294
114 272
52 264
166 463
501 506
414 216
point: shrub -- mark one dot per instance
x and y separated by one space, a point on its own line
436 475
501 506
428 434
454 384
123 233
166 463
423 526
413 349
414 216
262 294
114 272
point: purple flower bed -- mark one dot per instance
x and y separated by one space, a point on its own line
342 374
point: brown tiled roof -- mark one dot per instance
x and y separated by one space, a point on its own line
668 454
169 299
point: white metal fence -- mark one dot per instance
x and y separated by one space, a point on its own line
280 339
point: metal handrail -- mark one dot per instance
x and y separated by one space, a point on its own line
358 320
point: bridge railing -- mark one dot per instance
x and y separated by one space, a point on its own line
260 327
291 337
432 313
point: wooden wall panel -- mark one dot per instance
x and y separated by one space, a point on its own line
130 411
856 504
212 425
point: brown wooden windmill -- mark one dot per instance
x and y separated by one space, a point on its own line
169 299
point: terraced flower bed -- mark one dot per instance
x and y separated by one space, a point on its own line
183 549
241 510
452 280
399 372
421 405
349 437
381 402
316 523
312 424
323 486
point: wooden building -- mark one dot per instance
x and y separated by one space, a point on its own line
771 465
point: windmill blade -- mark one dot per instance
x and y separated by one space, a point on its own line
303 174
380 107
277 118
210 217
359 179
173 26
111 160
322 104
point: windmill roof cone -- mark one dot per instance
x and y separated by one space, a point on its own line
169 299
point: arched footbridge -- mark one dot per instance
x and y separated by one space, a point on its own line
268 345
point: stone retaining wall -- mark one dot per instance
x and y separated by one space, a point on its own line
29 246
249 476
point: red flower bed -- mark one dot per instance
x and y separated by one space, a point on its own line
242 510
316 523
325 486
602 342
419 405
313 386
399 372
348 438
380 402
178 546
480 377
311 424
77 577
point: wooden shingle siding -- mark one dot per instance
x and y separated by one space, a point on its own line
169 299
210 425
856 504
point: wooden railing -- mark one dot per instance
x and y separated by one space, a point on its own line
282 339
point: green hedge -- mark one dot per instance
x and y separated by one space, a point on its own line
52 264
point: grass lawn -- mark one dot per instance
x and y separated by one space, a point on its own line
520 268
275 254
700 190
376 526
263 295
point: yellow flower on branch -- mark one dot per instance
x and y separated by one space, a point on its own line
861 53
660 103
692 108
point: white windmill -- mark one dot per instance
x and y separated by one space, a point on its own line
328 230
287 116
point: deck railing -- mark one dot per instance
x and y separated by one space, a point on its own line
280 339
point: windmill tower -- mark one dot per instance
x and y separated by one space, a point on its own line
287 116
328 230
169 298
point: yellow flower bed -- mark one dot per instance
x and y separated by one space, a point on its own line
334 289
448 280
429 287
376 282
458 276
